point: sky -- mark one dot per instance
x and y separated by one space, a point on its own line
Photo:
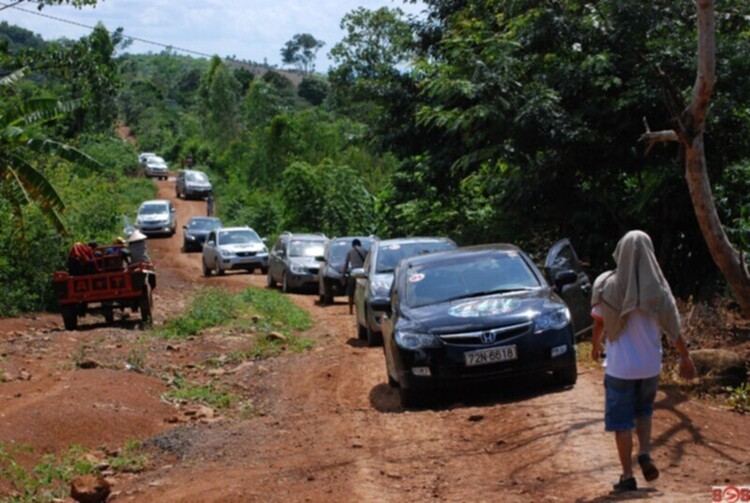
253 30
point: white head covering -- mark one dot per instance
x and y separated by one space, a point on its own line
136 236
638 282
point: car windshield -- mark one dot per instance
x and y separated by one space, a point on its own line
454 279
153 209
238 237
156 161
300 248
196 176
203 223
391 254
339 249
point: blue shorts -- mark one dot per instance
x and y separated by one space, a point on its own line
627 399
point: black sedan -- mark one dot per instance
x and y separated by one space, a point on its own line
476 314
195 232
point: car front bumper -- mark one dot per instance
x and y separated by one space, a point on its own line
301 280
155 228
244 262
445 367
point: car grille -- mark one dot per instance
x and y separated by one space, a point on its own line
246 254
486 337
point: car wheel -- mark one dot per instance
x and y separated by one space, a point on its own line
264 270
327 294
284 283
373 338
566 376
270 282
410 397
70 318
206 270
217 268
145 304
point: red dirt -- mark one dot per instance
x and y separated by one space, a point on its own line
324 425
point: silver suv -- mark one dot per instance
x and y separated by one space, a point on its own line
231 248
293 261
192 183
157 216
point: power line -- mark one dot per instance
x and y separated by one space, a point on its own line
75 23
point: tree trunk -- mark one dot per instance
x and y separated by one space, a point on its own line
727 258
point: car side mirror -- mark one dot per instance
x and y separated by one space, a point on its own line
358 273
565 277
211 243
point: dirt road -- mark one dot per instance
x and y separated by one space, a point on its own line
324 425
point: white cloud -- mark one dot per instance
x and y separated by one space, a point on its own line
249 29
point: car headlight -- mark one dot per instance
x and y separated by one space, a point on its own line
380 288
262 254
552 320
190 237
297 269
225 253
415 340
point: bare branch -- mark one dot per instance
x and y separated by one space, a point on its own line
654 137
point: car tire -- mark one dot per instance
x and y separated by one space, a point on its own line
373 338
217 269
566 376
410 397
206 270
146 304
264 270
70 318
284 283
327 294
270 282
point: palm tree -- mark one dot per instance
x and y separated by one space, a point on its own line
23 145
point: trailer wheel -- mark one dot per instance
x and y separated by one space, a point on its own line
146 303
70 318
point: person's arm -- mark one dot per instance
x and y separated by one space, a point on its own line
687 367
597 332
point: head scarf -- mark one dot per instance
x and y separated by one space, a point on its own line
637 283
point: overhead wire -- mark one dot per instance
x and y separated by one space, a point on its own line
75 23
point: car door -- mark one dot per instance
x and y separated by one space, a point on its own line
360 287
209 250
276 260
577 295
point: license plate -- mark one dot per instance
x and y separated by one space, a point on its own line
491 355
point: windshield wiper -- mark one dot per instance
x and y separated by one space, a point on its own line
488 292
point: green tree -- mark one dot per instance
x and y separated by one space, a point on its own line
220 94
313 90
301 51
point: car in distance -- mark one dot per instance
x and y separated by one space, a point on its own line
233 248
474 315
332 263
192 183
143 156
195 231
374 280
293 260
156 167
157 216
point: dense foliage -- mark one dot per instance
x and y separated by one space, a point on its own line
484 121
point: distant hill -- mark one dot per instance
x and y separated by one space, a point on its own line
260 70
19 38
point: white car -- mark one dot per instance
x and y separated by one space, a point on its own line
157 216
143 156
229 248
156 167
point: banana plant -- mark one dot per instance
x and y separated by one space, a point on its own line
23 145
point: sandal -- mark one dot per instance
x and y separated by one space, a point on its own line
625 484
650 471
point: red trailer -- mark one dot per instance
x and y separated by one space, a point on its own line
106 283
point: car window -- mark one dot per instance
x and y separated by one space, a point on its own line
196 176
390 255
152 209
238 237
203 224
451 279
306 248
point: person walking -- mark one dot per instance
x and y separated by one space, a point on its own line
354 258
210 205
632 306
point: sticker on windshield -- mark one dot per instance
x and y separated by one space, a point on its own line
485 307
513 254
394 247
416 278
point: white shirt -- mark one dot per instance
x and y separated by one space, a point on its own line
636 354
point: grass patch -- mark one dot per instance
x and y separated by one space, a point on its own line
130 459
739 398
47 481
213 307
206 394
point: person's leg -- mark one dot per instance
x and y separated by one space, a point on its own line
643 431
624 441
644 408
